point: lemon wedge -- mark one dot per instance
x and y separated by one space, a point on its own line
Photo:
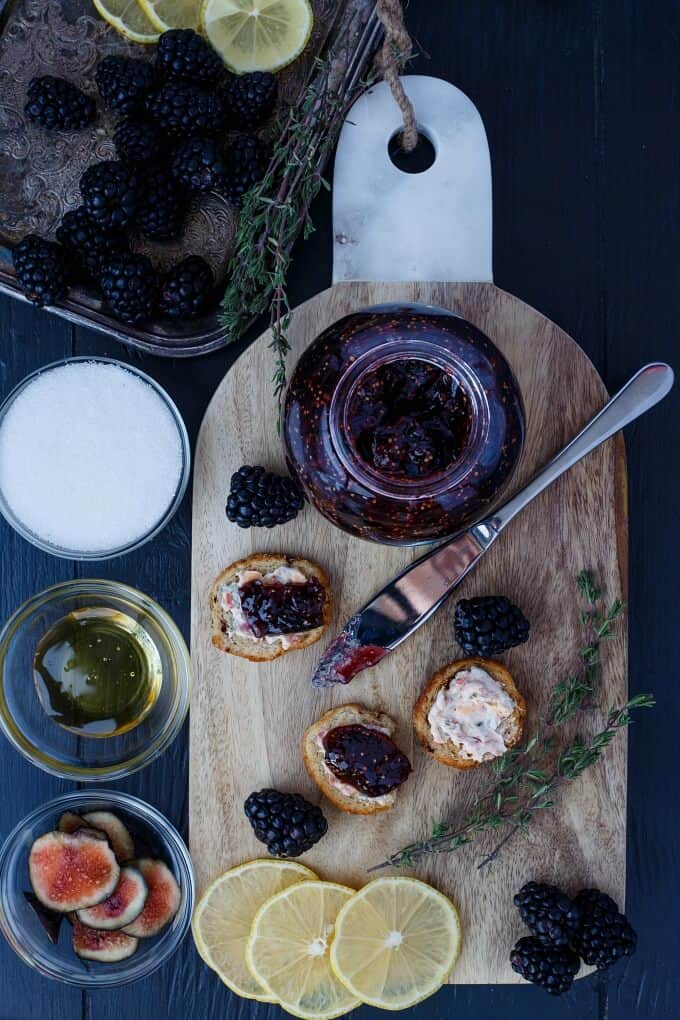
128 18
395 942
288 950
257 35
167 14
224 916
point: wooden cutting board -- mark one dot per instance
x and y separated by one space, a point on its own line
247 719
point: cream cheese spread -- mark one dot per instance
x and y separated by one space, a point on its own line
470 711
231 603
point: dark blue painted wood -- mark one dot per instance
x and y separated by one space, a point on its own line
580 100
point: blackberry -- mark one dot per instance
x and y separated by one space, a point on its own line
260 499
250 98
138 141
247 163
186 289
161 207
605 934
130 287
42 269
286 822
551 967
200 164
57 103
183 110
489 625
123 82
550 915
89 245
182 53
110 193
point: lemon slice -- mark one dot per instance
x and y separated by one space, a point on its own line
224 916
167 14
395 942
257 35
288 950
128 18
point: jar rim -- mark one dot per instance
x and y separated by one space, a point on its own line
414 349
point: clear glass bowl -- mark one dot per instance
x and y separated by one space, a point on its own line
59 751
105 554
20 924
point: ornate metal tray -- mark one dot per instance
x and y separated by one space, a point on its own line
39 171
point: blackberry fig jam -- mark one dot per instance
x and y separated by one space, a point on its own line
274 608
403 423
366 759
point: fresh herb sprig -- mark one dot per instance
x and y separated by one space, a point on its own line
277 210
528 777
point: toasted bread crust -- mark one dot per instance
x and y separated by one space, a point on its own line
244 647
313 757
448 753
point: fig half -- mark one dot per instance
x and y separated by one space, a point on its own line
162 901
114 830
104 946
123 905
69 821
70 871
49 919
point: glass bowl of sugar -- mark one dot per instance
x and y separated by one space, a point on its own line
94 458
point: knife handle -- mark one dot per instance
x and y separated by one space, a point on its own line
646 388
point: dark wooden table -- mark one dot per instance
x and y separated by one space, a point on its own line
581 100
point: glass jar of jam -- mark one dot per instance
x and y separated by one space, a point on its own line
403 423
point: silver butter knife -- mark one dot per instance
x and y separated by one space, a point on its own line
411 598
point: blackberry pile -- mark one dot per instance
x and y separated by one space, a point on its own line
285 822
588 927
489 625
173 114
261 499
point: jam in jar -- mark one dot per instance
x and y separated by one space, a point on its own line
403 423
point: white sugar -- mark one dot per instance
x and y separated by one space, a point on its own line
90 457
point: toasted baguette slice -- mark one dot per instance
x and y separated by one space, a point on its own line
248 648
449 753
355 802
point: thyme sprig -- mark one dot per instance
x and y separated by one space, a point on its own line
528 777
277 210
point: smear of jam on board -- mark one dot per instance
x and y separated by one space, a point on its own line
346 657
366 759
273 608
409 419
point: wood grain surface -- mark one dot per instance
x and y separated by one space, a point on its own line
247 719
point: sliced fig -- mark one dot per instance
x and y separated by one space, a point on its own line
123 905
162 902
70 871
49 919
114 830
104 946
70 822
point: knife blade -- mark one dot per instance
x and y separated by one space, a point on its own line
404 604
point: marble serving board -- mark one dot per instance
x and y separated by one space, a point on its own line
247 719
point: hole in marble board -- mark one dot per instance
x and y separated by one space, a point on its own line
415 162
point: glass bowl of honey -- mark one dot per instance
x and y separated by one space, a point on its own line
94 680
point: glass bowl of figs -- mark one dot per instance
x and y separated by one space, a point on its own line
96 889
